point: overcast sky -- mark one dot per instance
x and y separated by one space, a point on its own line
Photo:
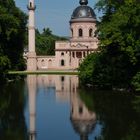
54 14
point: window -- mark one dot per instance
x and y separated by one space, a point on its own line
80 32
90 33
72 32
79 54
62 54
80 110
62 62
30 4
73 54
43 63
50 63
84 54
62 79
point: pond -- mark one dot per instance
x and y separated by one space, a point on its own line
55 107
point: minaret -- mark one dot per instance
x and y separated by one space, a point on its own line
31 81
31 57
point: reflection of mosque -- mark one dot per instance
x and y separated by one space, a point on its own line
63 85
82 119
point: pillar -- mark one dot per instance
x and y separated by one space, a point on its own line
31 57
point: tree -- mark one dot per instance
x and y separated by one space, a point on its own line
45 42
119 36
86 68
47 32
12 34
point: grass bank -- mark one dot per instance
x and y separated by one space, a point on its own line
44 72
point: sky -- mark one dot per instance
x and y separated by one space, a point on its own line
54 14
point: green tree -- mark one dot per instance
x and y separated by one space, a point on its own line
12 34
45 42
86 68
47 32
119 36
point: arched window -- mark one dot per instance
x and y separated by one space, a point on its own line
43 63
62 62
49 63
62 54
73 54
90 32
62 78
80 32
84 54
72 32
30 4
80 110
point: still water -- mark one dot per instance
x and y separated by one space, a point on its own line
54 107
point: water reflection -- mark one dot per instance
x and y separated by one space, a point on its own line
117 113
58 109
12 120
83 121
32 85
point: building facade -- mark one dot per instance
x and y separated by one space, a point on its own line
69 54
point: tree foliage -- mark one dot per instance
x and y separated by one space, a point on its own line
12 34
119 36
45 42
86 68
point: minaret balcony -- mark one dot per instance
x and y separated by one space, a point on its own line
31 7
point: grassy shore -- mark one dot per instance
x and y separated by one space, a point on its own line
57 72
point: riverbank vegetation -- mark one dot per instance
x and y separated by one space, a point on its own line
12 36
117 63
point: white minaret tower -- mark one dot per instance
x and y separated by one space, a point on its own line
31 57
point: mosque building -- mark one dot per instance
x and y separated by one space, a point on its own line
68 54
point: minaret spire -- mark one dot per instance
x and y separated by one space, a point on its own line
83 2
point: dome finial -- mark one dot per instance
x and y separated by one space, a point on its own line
83 2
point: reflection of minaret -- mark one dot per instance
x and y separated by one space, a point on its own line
82 119
31 80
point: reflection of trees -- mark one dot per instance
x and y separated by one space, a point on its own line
136 104
118 112
12 121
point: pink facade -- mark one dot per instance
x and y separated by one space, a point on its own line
69 54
